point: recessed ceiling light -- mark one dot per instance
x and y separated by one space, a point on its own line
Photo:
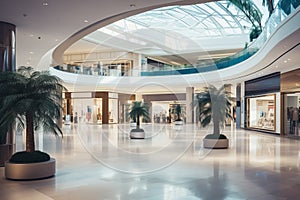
31 52
85 21
289 59
285 61
276 66
45 4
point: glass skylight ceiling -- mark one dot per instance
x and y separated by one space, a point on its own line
194 21
178 29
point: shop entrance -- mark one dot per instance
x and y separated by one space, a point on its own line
91 108
165 111
291 114
261 112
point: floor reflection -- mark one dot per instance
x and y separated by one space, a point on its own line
101 162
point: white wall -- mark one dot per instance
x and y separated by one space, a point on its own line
278 114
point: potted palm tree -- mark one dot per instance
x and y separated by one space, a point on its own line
178 111
34 100
214 105
138 109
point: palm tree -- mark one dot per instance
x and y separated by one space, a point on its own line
137 110
33 99
214 105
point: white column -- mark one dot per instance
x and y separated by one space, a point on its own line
243 114
136 68
138 97
189 105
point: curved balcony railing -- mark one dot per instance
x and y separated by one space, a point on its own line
283 9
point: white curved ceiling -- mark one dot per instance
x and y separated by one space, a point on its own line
42 25
173 32
280 53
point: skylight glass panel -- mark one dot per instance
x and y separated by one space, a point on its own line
217 8
222 22
197 22
207 8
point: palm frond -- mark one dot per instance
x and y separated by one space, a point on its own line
31 93
214 104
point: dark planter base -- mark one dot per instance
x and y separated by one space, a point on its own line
30 171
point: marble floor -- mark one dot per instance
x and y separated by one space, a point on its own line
101 162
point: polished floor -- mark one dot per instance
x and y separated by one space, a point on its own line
101 162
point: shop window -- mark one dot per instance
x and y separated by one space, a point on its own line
261 112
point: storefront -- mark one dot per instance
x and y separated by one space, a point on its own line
261 112
162 106
262 103
90 107
290 89
165 111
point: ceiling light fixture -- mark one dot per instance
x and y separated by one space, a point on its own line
45 4
285 61
85 21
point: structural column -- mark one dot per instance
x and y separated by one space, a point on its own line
7 47
189 105
8 58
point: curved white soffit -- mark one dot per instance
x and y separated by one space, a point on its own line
60 49
272 50
54 56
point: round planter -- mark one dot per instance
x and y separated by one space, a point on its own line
216 143
137 134
179 123
30 171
